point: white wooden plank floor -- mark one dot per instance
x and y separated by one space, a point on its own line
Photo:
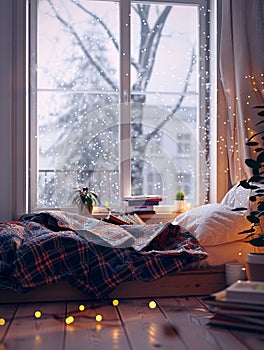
176 323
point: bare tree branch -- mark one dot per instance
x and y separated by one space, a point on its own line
75 34
108 31
178 105
98 20
150 40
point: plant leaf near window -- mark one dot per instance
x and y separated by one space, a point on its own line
255 234
85 198
180 195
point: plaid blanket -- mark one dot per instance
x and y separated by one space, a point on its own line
45 248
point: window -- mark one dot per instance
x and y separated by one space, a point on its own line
118 90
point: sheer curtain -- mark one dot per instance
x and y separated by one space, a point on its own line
241 68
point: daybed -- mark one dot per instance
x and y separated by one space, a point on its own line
61 256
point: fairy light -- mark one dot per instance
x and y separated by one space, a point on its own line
81 307
37 314
2 321
98 318
152 304
69 319
115 302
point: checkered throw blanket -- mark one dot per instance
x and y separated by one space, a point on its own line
47 247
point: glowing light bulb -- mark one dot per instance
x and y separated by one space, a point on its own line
115 302
152 304
81 307
69 319
2 321
98 318
37 314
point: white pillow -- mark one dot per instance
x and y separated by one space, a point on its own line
213 224
237 197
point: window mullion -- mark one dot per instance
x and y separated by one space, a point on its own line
124 148
33 125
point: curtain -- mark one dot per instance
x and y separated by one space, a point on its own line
240 79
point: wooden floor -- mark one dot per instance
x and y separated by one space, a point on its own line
175 323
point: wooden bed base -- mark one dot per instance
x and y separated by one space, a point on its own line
184 283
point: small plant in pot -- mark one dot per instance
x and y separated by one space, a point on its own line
180 196
255 212
85 200
179 201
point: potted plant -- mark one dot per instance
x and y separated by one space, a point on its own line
255 212
179 201
85 200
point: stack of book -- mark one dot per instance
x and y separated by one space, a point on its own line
142 204
239 306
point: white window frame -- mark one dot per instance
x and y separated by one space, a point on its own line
13 109
15 186
124 149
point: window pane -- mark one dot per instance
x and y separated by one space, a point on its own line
76 97
165 100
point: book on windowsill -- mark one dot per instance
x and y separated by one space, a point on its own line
140 209
149 200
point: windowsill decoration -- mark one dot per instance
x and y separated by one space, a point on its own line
85 200
180 202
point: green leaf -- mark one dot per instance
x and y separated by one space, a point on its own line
258 133
260 157
251 163
258 241
247 231
253 218
245 184
239 209
252 143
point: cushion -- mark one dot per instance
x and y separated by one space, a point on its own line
213 224
237 197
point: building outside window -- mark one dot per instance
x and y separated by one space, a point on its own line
119 99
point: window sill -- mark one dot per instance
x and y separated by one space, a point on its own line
151 218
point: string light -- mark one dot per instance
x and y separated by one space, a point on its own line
152 304
115 302
69 319
98 318
37 314
81 307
